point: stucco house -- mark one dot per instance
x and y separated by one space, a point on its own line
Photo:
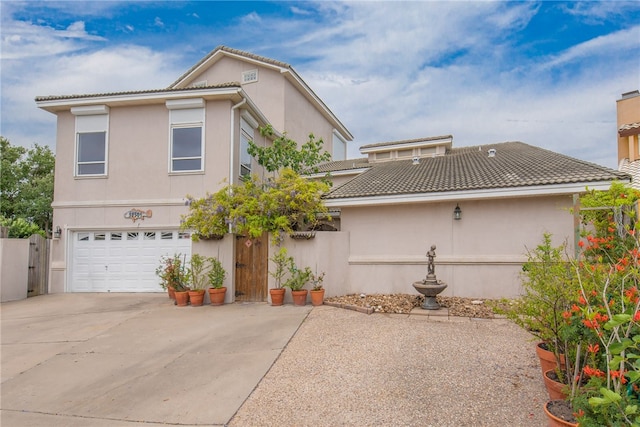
125 162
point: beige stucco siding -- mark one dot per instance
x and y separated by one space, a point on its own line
267 92
478 256
302 119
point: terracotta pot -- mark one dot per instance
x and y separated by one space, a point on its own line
182 298
277 296
216 295
172 292
555 421
299 297
196 297
317 297
554 388
547 358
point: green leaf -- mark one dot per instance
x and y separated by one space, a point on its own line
610 396
631 409
597 401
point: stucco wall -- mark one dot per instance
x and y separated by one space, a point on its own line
478 256
14 269
224 250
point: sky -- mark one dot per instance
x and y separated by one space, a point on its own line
546 73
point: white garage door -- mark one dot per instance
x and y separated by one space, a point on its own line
122 261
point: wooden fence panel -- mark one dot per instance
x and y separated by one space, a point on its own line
38 265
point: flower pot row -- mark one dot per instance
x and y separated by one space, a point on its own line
195 298
299 297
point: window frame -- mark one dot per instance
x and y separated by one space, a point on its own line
92 119
185 114
248 126
173 158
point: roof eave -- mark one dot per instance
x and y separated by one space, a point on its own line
482 194
60 104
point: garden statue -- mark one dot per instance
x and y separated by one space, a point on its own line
430 286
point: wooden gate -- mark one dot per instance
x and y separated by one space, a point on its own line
252 263
38 266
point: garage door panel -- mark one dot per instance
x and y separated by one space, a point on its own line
120 261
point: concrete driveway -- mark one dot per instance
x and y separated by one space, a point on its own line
134 359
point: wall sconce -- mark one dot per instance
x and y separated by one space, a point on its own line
457 213
57 233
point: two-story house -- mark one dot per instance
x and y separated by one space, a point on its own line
125 162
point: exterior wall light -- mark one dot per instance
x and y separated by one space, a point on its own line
457 213
57 233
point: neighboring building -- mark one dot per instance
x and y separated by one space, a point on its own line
405 195
125 162
628 109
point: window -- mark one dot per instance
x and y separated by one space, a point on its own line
339 147
247 128
92 123
186 145
186 149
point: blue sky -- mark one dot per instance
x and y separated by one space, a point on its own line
545 73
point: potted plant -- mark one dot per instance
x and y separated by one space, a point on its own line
317 291
216 276
174 275
197 273
282 264
298 278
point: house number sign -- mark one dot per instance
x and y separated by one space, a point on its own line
138 214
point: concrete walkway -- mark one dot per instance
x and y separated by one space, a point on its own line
134 359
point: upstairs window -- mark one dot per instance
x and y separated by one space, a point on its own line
186 147
92 124
339 151
247 131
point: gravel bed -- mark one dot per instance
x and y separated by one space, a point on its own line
404 303
344 368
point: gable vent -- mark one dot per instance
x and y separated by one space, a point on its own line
250 76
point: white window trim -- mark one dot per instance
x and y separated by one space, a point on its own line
86 111
189 120
248 126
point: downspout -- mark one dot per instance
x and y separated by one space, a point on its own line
231 142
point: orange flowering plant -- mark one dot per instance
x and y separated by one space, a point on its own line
606 319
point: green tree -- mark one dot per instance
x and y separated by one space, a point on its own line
284 153
26 184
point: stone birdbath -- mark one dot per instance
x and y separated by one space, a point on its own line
430 286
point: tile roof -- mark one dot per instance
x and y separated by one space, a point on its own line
344 165
137 92
470 168
633 169
406 141
629 129
235 52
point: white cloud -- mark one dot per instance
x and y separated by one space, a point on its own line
388 72
158 22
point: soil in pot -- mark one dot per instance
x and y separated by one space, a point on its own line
560 414
554 387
